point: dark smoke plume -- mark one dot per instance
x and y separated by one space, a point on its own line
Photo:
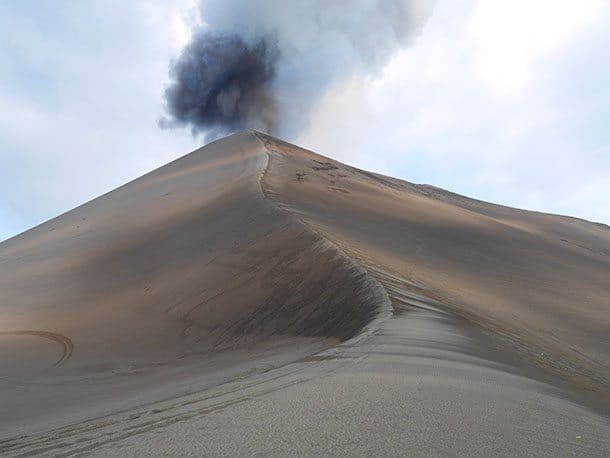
219 82
264 64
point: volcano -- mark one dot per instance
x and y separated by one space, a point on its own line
257 297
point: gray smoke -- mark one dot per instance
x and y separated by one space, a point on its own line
264 64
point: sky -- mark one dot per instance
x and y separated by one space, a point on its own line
507 102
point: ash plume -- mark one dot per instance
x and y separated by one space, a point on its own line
221 83
264 64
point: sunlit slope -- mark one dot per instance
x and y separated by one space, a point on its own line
189 258
541 279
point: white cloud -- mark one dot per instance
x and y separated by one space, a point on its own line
80 100
505 101
518 120
511 35
178 18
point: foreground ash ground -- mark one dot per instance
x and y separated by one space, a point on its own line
253 297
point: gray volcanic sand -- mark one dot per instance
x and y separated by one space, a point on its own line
197 310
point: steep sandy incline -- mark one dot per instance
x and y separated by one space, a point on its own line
143 293
249 253
541 280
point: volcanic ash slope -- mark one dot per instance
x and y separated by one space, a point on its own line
111 303
250 253
542 281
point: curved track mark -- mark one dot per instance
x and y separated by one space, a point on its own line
64 341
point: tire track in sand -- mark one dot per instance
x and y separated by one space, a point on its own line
64 342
